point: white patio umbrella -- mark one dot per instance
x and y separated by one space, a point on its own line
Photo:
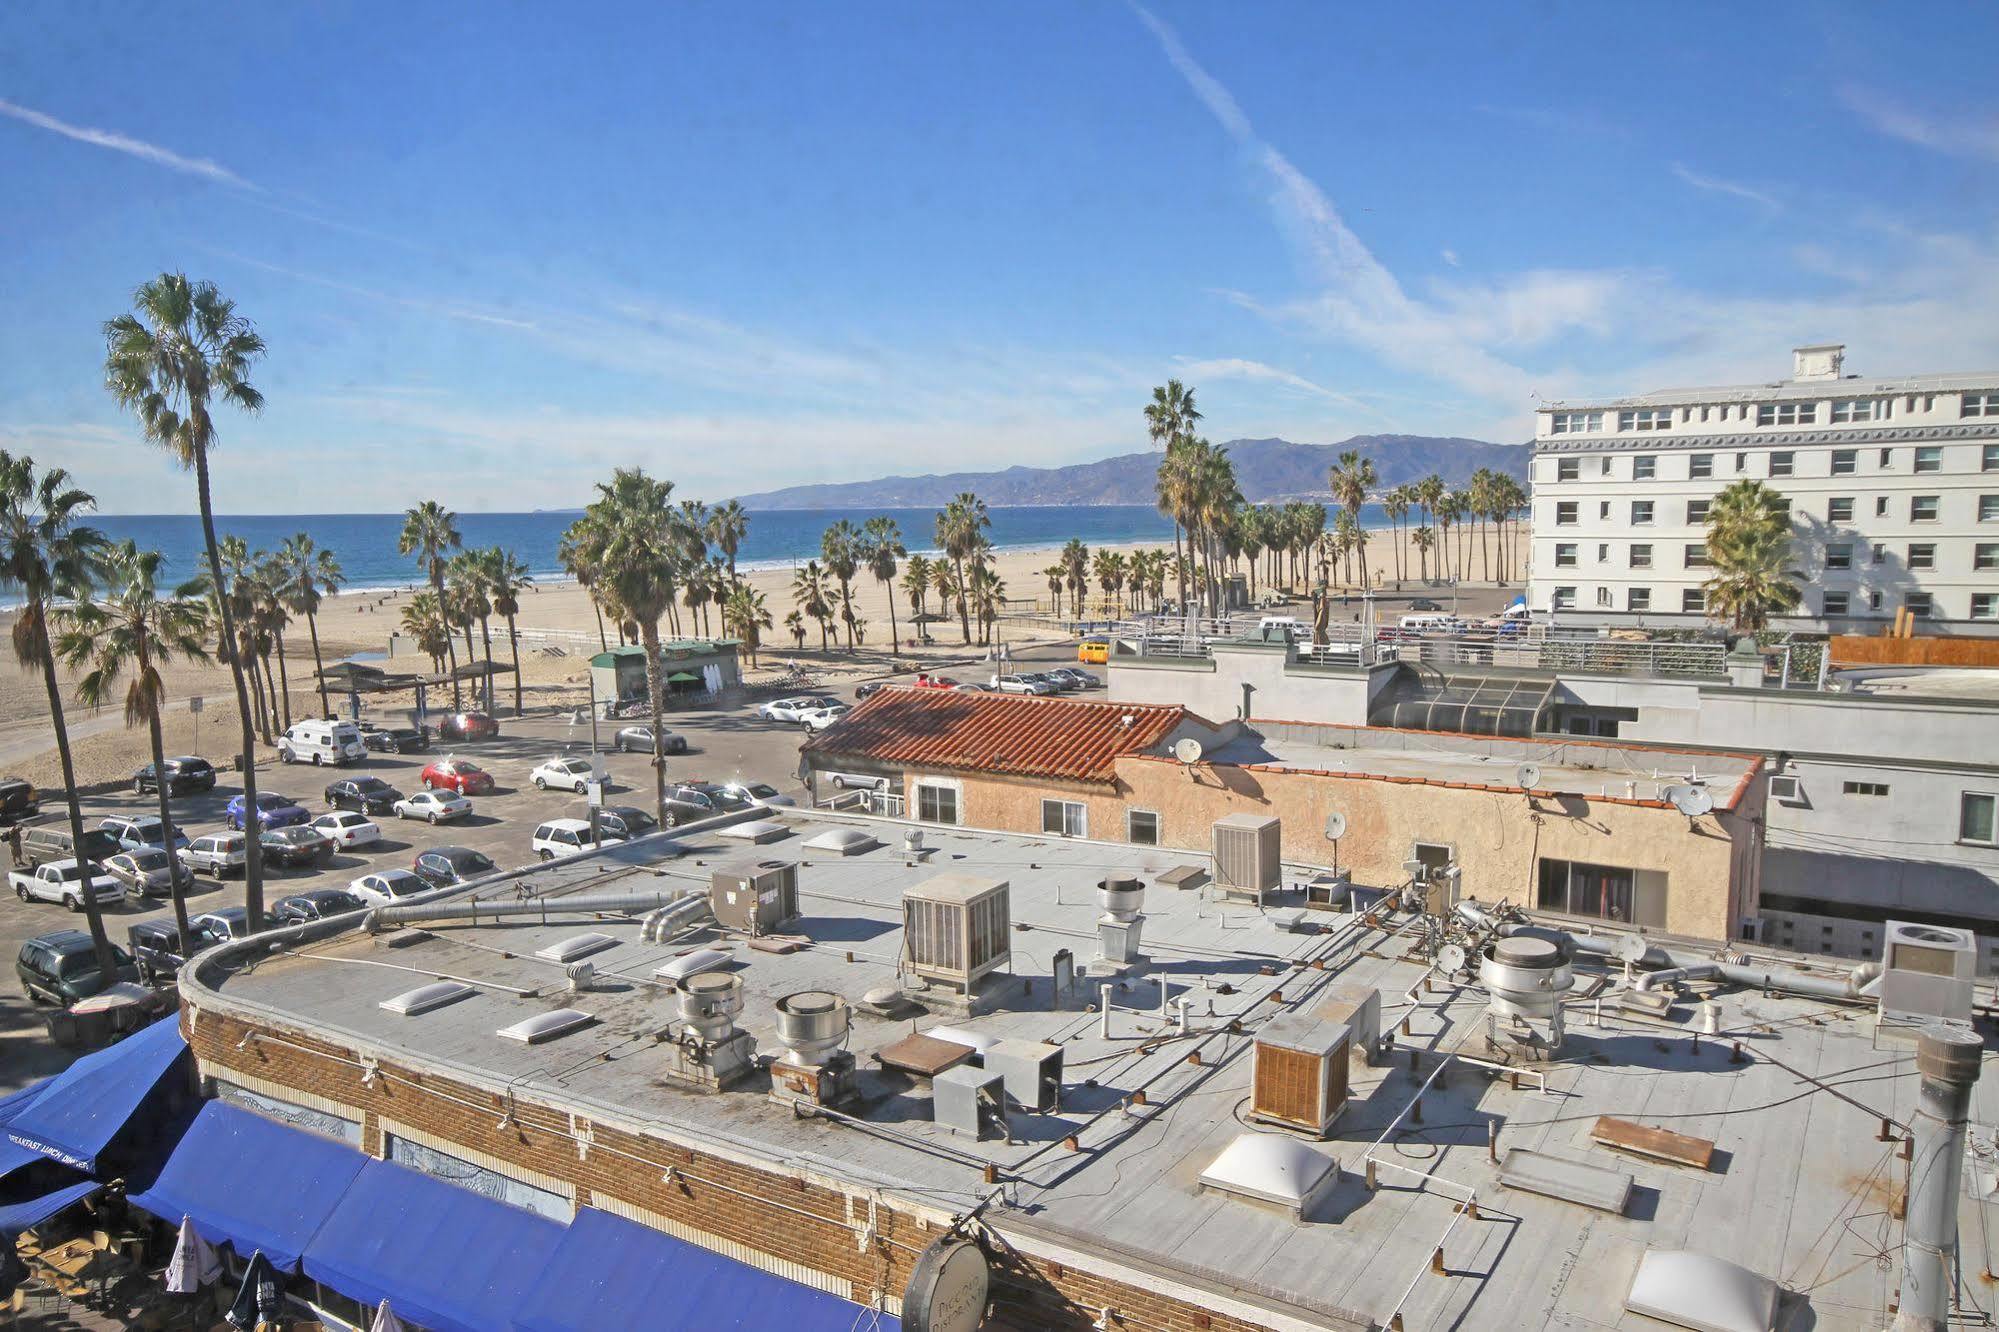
385 1320
195 1262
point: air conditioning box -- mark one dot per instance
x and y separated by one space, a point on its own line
753 895
1927 973
956 929
1298 1076
1248 859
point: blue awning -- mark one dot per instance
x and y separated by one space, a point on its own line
442 1256
13 1103
251 1182
610 1272
84 1107
20 1216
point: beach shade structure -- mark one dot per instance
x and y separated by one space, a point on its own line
385 1319
928 617
195 1262
262 1298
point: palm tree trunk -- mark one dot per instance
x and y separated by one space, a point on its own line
450 648
318 666
271 688
603 643
284 678
1179 568
166 818
894 634
93 912
486 633
964 609
514 638
253 851
649 635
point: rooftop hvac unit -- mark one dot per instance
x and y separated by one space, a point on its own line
754 896
1246 855
1927 972
1299 1074
955 928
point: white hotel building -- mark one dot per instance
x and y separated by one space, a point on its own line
1893 486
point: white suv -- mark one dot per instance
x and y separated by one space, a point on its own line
565 837
565 774
217 855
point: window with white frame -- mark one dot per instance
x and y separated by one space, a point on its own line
1839 509
1565 513
1697 512
1880 506
1564 598
1979 404
1849 410
1787 413
1693 601
1638 599
1641 556
1696 555
1565 555
1568 469
1603 599
1922 555
1922 508
1700 465
1839 555
1603 552
1929 458
1988 508
1985 556
1920 604
1845 462
1644 469
1783 464
1575 423
1833 603
1641 513
1065 818
1978 817
1603 510
1872 789
1985 605
1988 459
936 803
1646 418
1141 827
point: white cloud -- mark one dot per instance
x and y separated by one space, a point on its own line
1969 137
1450 257
1256 372
448 309
1716 185
125 143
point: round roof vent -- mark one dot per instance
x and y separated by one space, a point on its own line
1527 951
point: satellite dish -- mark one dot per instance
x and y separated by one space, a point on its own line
1692 801
1336 826
1629 948
1527 776
1451 957
1188 751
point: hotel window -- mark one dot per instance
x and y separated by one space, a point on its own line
1845 461
1603 510
1576 423
1988 508
1922 508
1920 604
1880 506
1650 418
1641 513
1985 556
1839 510
1564 599
936 804
1141 827
1887 457
1833 603
1565 513
1603 552
1644 469
1985 605
1839 556
1696 556
1641 557
1988 460
1603 466
1741 462
1848 410
1603 598
1700 465
1693 601
1880 551
1978 817
1568 469
1787 413
1638 599
1565 555
1929 459
1065 818
1875 789
1923 555
1783 464
1979 404
1874 600
1697 512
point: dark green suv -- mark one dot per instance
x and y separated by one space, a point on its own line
61 968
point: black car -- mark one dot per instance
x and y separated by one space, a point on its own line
185 776
297 845
722 798
316 905
61 968
1424 604
397 739
18 800
444 866
156 949
626 821
368 795
869 690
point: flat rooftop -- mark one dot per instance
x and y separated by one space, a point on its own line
1786 389
1799 1192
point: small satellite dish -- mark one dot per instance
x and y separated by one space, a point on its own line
1527 776
1629 948
1451 957
1188 751
1336 826
1692 801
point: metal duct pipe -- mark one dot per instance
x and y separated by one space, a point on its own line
1672 975
1857 983
1948 1058
626 903
669 920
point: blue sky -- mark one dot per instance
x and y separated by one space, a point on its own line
497 251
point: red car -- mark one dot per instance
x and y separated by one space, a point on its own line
467 726
935 682
456 774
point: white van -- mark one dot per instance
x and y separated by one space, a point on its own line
317 741
1291 622
565 837
1427 624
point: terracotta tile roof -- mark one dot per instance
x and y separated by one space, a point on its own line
1013 734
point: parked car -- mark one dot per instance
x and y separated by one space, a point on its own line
1094 651
219 926
387 886
19 800
317 904
686 802
467 726
367 795
789 709
217 855
818 719
61 968
869 690
565 837
433 806
50 840
318 740
721 797
1055 680
457 774
638 740
133 831
627 821
347 829
273 811
761 794
1021 684
443 866
62 881
396 739
1083 679
935 682
973 689
857 781
149 871
1424 604
289 848
564 774
157 950
186 775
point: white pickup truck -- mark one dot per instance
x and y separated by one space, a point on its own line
61 881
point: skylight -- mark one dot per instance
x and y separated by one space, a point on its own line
691 964
546 1026
575 946
426 997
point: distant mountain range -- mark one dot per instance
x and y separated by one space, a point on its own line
1266 469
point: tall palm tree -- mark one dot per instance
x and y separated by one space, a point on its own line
745 615
236 593
961 528
1076 564
808 589
916 585
1215 498
1174 488
1058 577
134 630
1170 417
507 577
988 598
430 533
1353 479
1748 547
950 589
1108 566
467 576
572 553
840 547
697 589
728 524
423 620
637 532
881 546
183 346
49 556
272 613
794 624
1447 515
314 575
1396 504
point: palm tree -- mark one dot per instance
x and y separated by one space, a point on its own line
880 547
1169 418
430 533
1057 577
1396 504
573 553
1748 546
728 524
315 575
916 584
794 624
988 598
1353 479
235 593
697 589
423 620
808 589
961 527
1076 566
745 615
635 522
1424 539
467 576
1174 487
950 588
840 547
1108 566
48 556
508 577
1215 499
1447 513
272 612
136 629
1430 494
185 345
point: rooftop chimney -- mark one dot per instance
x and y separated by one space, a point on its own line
1947 1058
1820 362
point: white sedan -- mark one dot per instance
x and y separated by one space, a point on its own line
433 806
348 829
564 774
791 709
384 888
818 719
1022 684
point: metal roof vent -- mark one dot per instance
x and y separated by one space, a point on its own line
1273 1170
843 841
426 997
756 830
691 964
575 946
1709 1294
546 1026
